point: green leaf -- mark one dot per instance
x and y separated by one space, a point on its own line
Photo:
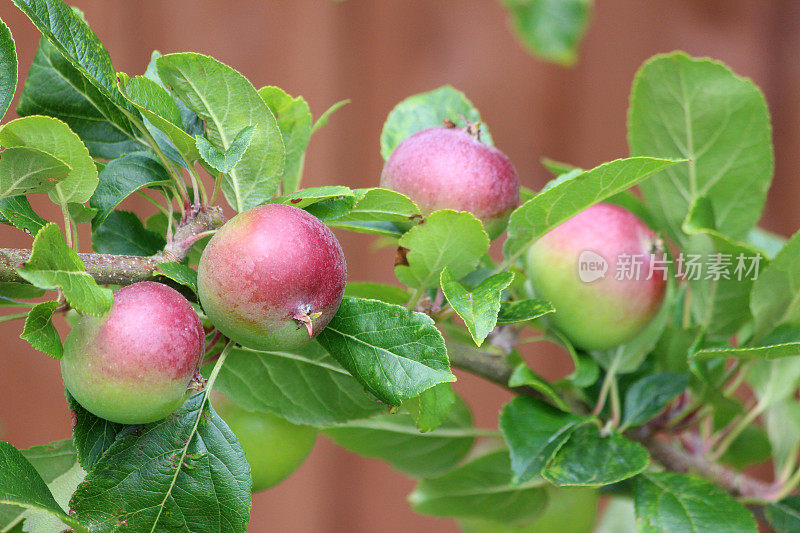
592 459
8 68
228 103
56 89
71 36
375 205
523 376
770 243
306 386
428 110
550 29
62 488
767 353
447 239
394 438
159 109
774 381
572 510
782 423
91 434
561 178
481 488
122 177
191 123
775 298
682 107
431 407
650 395
21 485
54 137
522 311
561 202
224 161
479 307
22 291
784 515
322 121
751 447
57 464
53 265
313 195
394 353
29 171
18 212
294 120
331 209
147 94
184 473
586 368
677 503
721 286
534 432
123 233
40 332
377 291
80 213
381 228
179 273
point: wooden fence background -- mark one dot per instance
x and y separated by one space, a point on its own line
376 52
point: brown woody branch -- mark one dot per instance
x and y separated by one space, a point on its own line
108 269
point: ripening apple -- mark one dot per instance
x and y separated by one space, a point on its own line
449 168
595 269
135 364
272 277
273 446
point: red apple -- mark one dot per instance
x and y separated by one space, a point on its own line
448 168
272 277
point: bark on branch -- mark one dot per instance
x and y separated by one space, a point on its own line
108 269
677 460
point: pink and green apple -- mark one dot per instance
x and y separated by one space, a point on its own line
272 277
448 168
595 269
135 364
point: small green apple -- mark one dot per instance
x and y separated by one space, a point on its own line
274 447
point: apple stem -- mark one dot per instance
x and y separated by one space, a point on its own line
214 340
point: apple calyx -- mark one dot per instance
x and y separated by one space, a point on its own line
304 317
